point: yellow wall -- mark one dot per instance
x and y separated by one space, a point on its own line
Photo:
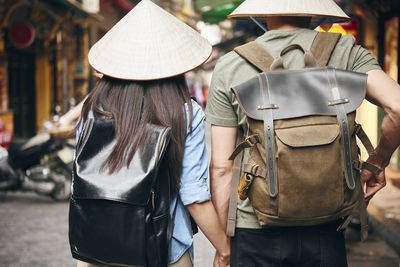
368 118
368 113
43 90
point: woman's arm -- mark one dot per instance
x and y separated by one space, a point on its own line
194 192
206 218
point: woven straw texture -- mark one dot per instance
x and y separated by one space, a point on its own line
147 44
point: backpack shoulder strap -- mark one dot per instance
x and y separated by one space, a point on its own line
237 164
323 46
256 55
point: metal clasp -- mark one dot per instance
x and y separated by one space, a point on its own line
338 102
272 106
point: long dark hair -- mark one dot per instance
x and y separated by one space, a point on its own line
134 104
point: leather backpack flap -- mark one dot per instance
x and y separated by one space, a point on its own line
300 93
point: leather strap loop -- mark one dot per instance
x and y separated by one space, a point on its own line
363 165
292 47
255 170
309 59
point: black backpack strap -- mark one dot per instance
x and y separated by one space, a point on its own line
256 55
323 46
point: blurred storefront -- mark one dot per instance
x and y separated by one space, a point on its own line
43 50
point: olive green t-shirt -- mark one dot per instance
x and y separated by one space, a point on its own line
223 109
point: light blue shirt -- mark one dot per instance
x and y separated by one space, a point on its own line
193 184
193 187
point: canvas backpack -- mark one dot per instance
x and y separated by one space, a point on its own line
123 218
303 166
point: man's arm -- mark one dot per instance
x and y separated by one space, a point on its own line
384 92
223 142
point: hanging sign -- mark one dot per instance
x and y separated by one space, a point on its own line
22 34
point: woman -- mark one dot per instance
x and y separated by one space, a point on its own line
143 58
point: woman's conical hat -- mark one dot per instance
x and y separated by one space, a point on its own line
321 11
148 44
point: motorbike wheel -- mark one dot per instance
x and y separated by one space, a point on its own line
63 179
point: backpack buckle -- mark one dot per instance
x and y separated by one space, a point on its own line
338 102
254 169
272 106
252 140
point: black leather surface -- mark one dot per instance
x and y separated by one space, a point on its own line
120 219
130 184
301 93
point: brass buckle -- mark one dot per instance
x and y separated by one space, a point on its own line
252 140
272 106
254 170
338 102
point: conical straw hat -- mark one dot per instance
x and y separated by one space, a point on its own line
321 11
148 44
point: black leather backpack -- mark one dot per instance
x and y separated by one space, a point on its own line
120 219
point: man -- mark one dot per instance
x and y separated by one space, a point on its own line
319 245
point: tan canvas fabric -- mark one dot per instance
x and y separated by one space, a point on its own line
313 140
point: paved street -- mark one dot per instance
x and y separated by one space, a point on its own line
33 233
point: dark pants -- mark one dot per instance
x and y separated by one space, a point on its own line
311 246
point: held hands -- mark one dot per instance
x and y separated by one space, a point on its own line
221 261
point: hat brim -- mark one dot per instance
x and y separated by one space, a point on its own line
316 19
153 78
320 11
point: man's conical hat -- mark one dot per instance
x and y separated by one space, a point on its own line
321 11
148 44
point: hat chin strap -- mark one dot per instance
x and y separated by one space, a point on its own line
265 27
259 24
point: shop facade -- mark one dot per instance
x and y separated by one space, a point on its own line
43 58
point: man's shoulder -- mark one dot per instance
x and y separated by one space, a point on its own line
228 59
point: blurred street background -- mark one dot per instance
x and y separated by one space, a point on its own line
44 73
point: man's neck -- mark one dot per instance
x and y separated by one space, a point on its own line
287 23
285 27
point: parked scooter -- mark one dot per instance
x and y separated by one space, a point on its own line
42 164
